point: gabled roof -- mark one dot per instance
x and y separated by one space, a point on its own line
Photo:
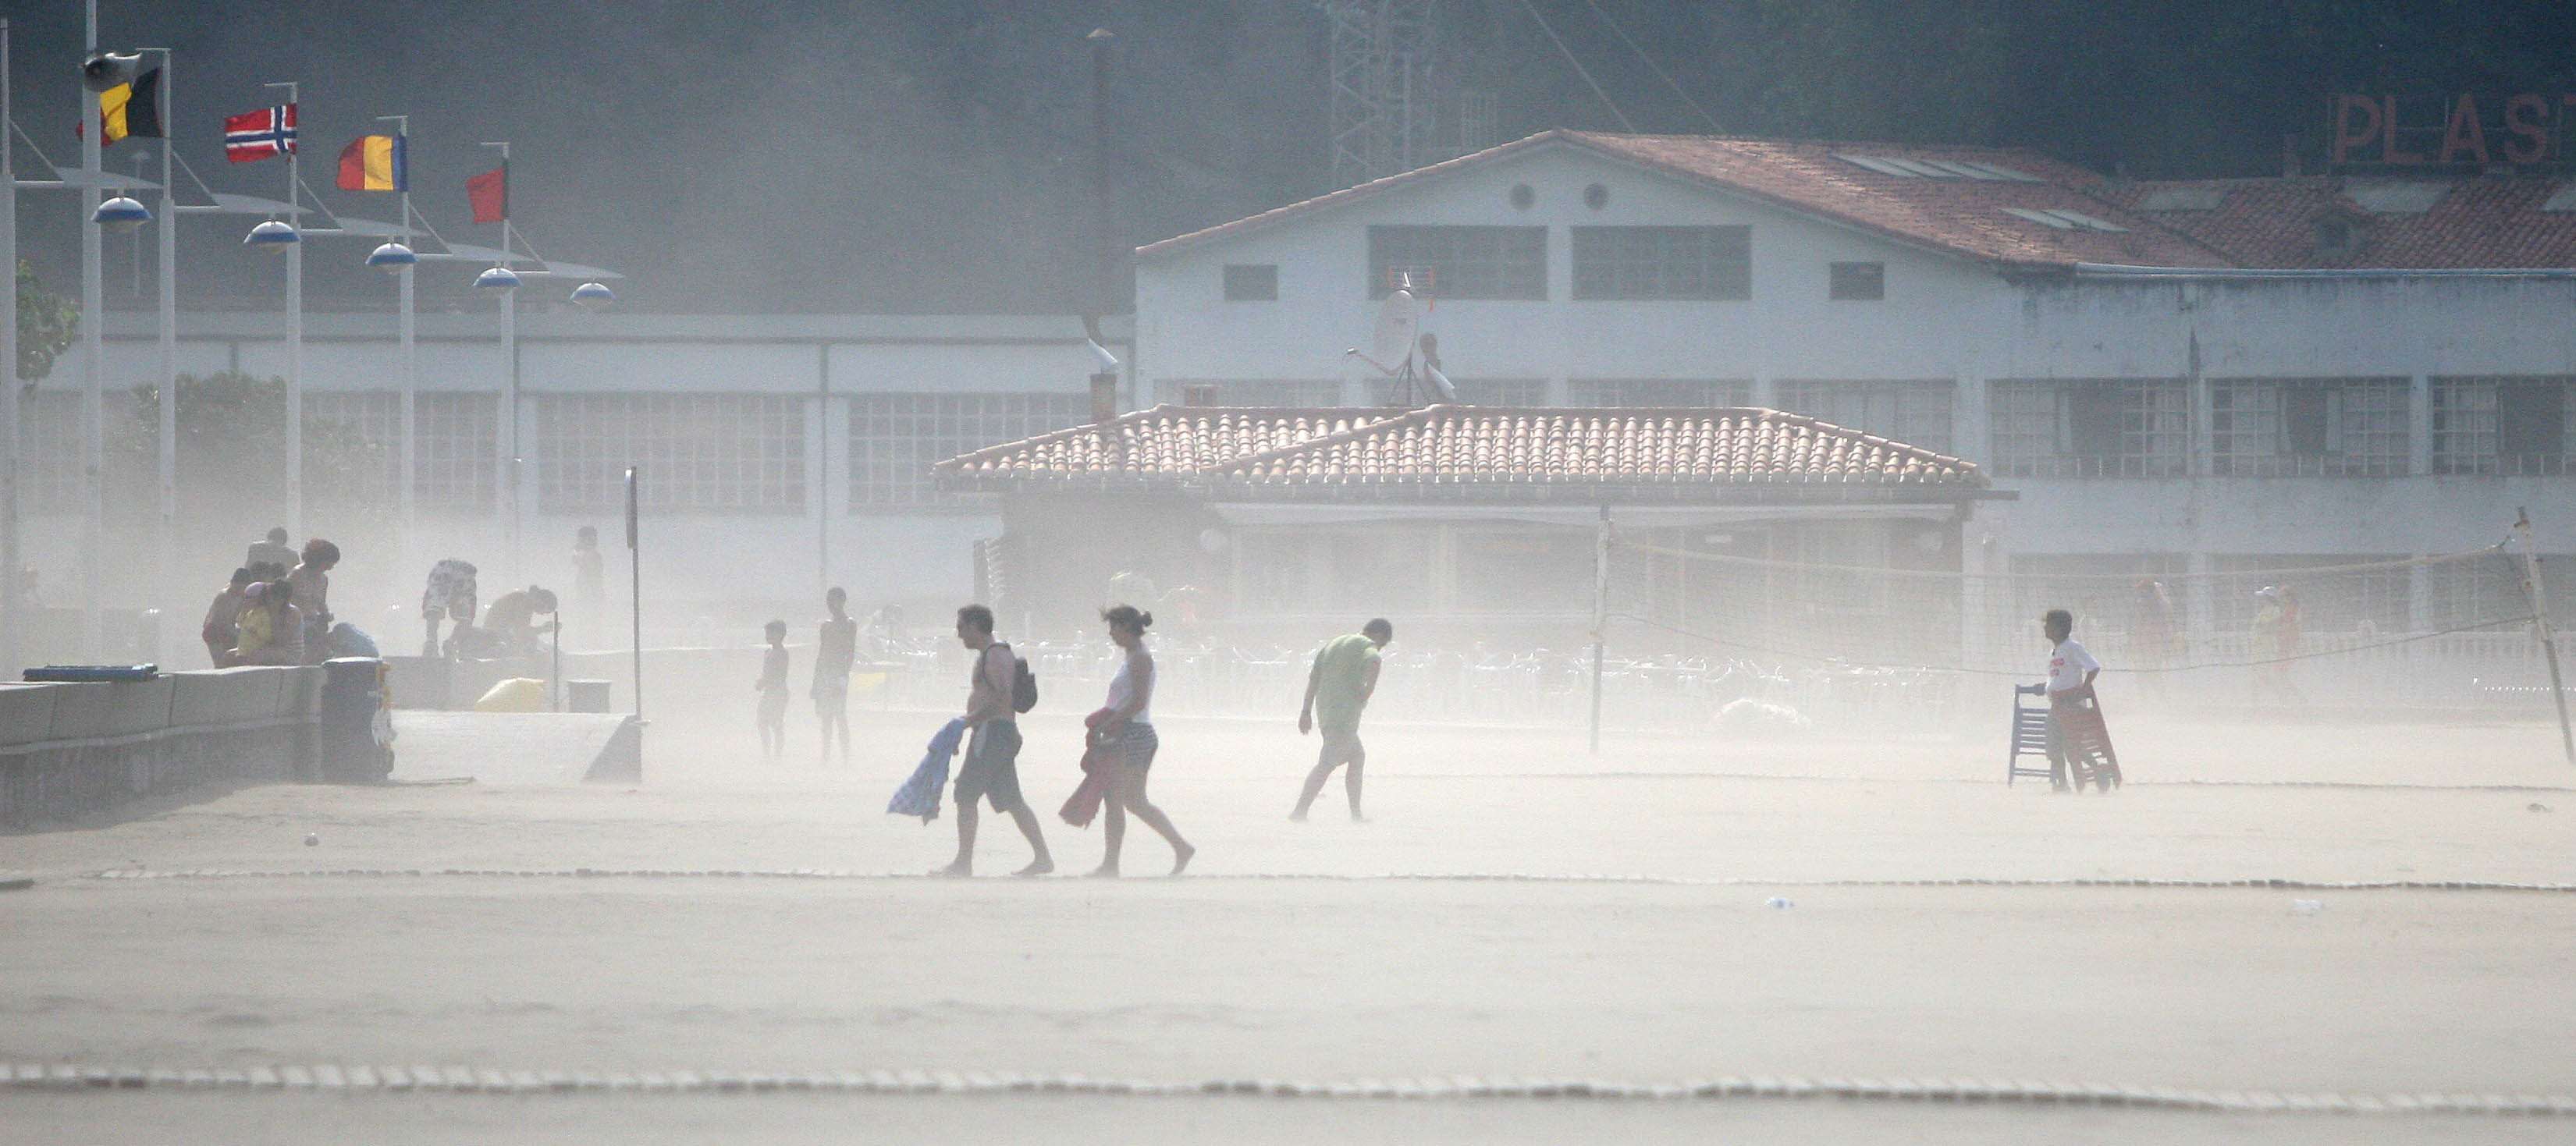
1461 446
1997 205
2474 222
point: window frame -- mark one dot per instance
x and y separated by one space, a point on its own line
1511 267
1651 264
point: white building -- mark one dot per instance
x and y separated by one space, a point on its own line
2104 350
780 454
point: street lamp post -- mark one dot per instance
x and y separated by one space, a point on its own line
294 336
93 366
10 622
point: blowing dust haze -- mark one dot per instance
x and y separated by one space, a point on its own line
1359 570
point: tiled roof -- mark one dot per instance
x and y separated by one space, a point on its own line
1458 446
2476 222
1971 217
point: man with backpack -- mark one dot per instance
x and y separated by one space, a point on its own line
1000 688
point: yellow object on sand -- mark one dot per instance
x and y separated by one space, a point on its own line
517 694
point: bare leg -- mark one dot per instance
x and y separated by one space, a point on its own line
1351 780
1113 828
1323 770
841 720
1028 822
964 864
1132 793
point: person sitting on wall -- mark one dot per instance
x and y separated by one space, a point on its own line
222 628
270 628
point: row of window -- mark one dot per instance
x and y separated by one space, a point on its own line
2273 427
1709 264
748 452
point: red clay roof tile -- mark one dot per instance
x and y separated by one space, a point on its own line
1463 445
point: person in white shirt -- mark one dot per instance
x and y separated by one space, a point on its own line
2071 670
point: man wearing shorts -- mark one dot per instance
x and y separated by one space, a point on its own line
991 772
1337 691
450 596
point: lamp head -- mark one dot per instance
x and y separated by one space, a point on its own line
272 236
392 258
122 213
593 296
497 279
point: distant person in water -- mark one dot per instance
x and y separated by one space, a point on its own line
1128 735
772 687
836 649
992 768
1338 689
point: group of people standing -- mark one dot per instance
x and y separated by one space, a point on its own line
276 609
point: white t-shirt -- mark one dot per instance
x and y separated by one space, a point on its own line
2067 664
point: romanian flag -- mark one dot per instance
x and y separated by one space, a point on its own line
132 108
374 163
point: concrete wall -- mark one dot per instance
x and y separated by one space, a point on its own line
69 750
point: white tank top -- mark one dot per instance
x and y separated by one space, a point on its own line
1122 688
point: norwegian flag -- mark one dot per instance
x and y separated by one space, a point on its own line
256 135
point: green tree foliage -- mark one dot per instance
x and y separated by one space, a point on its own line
47 323
231 456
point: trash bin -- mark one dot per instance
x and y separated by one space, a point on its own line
586 696
356 741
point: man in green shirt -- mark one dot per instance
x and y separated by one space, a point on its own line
1337 691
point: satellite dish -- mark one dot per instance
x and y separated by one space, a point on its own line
1392 348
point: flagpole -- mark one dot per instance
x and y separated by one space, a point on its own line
510 368
294 330
409 326
10 622
93 367
166 548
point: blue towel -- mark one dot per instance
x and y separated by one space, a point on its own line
919 795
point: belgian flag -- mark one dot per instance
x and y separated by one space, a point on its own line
132 108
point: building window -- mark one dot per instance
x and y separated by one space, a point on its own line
2091 427
1857 281
896 438
723 453
1251 282
1274 393
456 447
1665 393
1915 413
1473 391
2504 425
2334 427
1462 262
1647 263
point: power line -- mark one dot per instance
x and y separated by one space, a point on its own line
1568 53
1651 65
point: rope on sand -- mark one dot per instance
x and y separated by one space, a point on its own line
491 1080
1388 877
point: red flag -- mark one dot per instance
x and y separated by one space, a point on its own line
256 135
490 193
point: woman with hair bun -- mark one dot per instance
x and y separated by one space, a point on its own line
1128 738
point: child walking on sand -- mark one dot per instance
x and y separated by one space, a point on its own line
773 692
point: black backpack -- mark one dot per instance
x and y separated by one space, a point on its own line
1024 684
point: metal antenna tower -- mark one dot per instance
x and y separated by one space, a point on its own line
1384 59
